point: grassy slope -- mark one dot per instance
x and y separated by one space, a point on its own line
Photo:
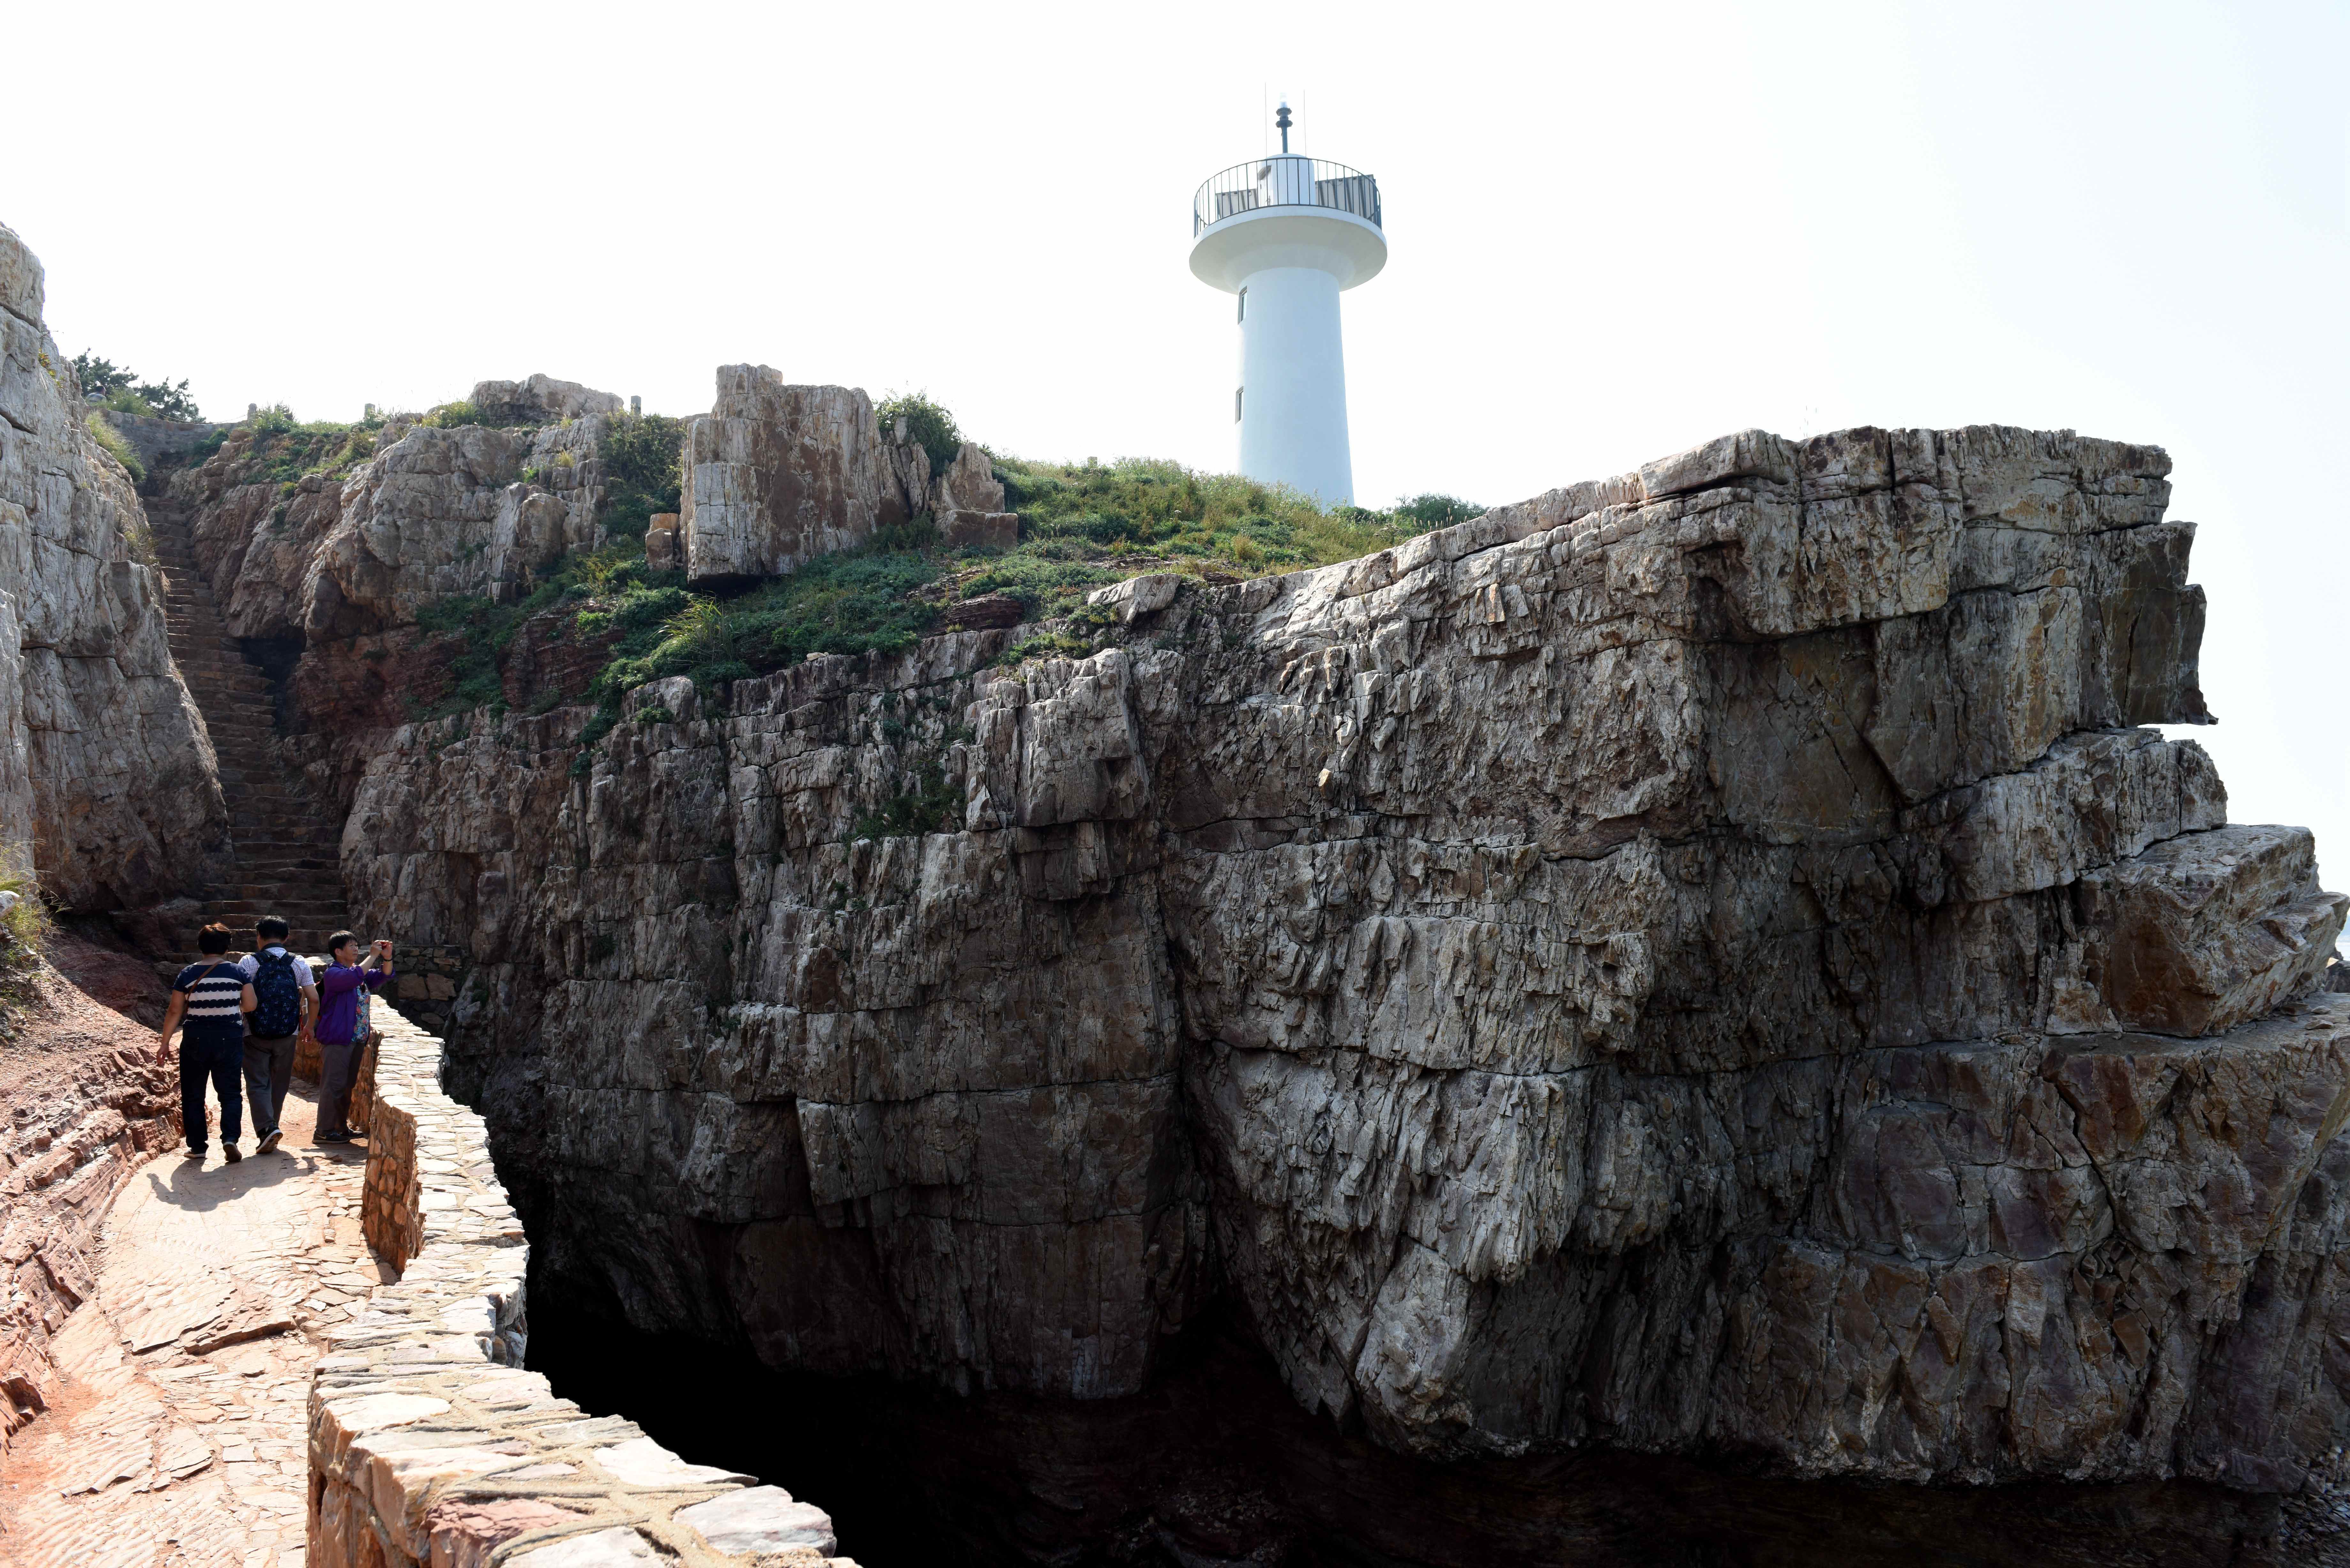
1080 528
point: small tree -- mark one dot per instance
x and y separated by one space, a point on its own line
99 378
118 386
169 399
928 426
1437 511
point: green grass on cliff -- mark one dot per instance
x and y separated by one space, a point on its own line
1203 522
642 470
112 440
276 448
1080 525
24 933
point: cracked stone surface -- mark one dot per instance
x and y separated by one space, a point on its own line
1711 960
178 1432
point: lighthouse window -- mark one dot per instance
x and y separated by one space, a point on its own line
1244 315
1237 394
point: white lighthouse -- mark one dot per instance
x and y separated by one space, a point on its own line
1288 234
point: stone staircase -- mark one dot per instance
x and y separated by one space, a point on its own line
288 843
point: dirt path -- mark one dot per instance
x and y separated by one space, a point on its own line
178 1433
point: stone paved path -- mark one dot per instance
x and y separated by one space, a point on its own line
178 1437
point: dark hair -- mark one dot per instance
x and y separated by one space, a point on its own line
213 939
340 940
270 925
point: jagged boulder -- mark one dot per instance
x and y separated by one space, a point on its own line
967 484
777 474
539 399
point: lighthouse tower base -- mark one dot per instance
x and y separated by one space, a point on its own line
1292 399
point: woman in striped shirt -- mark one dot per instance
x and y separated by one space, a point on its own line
211 997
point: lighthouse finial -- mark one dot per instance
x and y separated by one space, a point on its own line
1281 119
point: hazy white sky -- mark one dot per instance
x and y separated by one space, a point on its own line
1616 229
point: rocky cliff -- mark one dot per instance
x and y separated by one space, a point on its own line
396 517
1707 961
328 541
778 474
106 776
87 1104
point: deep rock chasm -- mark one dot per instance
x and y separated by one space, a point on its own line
1693 1018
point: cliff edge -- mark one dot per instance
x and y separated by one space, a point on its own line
1706 962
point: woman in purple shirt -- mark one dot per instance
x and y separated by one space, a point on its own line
339 989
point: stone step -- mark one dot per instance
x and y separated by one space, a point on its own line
287 847
292 913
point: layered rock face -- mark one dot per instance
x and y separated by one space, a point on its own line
87 1105
106 772
777 474
1704 962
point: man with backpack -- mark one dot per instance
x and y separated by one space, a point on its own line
210 996
286 1007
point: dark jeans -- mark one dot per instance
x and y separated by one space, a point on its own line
268 1075
339 1067
217 1059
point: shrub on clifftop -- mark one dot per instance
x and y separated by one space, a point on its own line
927 425
118 386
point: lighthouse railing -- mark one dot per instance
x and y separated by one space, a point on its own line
1285 180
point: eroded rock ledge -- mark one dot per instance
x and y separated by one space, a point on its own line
1704 962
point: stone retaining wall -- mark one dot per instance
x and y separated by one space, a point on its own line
429 1443
152 438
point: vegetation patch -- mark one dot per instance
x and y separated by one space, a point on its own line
459 411
927 807
927 426
117 448
1080 526
24 935
451 416
1207 523
642 472
118 386
276 448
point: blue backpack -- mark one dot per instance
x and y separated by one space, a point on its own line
278 999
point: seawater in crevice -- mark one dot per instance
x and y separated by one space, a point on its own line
1215 1466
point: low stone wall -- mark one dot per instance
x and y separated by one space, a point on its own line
429 1443
153 437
